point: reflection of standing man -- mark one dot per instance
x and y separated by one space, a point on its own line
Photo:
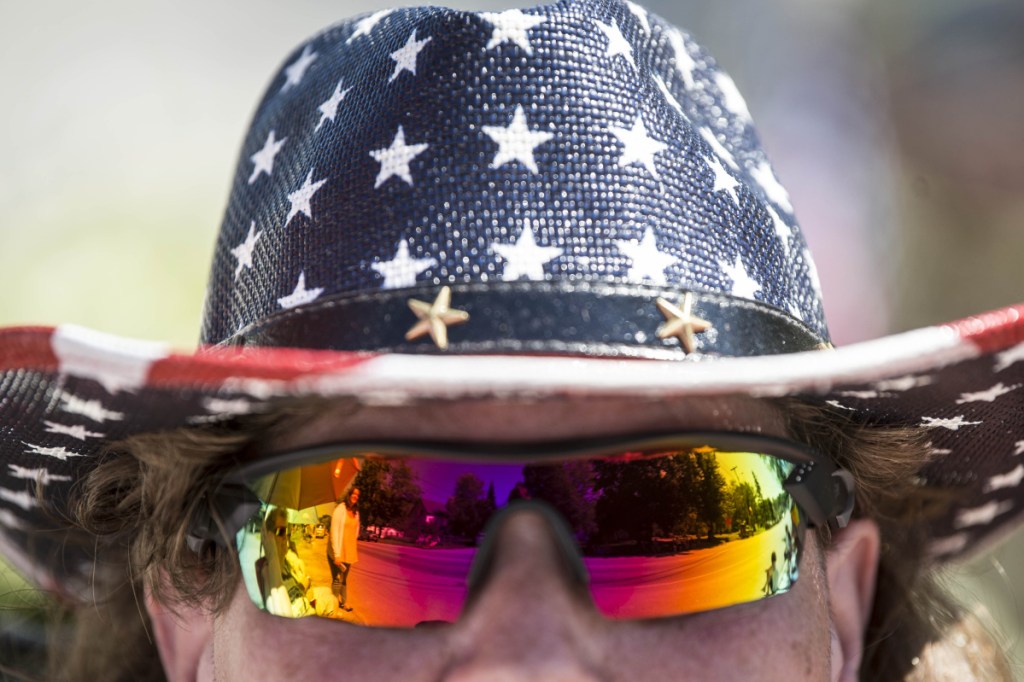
341 547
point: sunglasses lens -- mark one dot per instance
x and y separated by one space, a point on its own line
389 541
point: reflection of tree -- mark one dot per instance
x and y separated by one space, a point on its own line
673 495
746 504
568 487
468 508
389 495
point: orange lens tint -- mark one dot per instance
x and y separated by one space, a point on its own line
389 541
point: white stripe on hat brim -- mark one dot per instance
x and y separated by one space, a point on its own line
396 377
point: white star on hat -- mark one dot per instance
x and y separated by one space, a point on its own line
765 177
76 431
329 109
717 147
402 270
405 57
300 198
517 142
685 64
23 498
364 26
10 520
641 16
782 230
617 43
904 383
40 475
953 424
264 158
638 146
983 515
667 94
511 26
394 160
1008 357
647 261
743 285
60 453
300 295
294 72
93 409
1010 479
243 252
987 396
723 180
731 97
525 258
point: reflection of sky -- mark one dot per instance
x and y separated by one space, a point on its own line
748 465
437 479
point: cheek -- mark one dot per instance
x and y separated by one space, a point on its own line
251 645
784 638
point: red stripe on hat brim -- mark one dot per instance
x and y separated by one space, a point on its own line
214 364
994 330
27 348
30 348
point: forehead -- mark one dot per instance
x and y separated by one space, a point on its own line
494 420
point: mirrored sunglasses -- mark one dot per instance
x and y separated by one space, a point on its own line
392 534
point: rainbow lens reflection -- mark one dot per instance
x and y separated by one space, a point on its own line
389 541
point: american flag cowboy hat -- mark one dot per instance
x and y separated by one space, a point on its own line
565 200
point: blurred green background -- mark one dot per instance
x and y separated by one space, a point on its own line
898 129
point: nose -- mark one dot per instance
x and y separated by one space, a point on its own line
529 615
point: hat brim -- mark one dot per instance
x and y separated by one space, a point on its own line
66 391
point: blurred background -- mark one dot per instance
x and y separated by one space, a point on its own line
898 129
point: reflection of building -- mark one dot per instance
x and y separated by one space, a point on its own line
434 515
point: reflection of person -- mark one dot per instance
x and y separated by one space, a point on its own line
769 577
285 585
282 573
342 550
464 199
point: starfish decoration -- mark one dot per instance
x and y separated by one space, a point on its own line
681 323
435 317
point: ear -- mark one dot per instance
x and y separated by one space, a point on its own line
852 565
183 636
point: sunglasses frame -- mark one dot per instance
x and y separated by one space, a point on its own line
822 491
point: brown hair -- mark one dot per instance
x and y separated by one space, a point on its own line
146 489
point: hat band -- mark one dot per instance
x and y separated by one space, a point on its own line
537 317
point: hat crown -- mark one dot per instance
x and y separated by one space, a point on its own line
580 143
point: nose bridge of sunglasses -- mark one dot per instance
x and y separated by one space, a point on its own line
490 550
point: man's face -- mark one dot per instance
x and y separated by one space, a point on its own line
527 622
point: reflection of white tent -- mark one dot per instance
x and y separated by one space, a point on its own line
304 516
309 486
